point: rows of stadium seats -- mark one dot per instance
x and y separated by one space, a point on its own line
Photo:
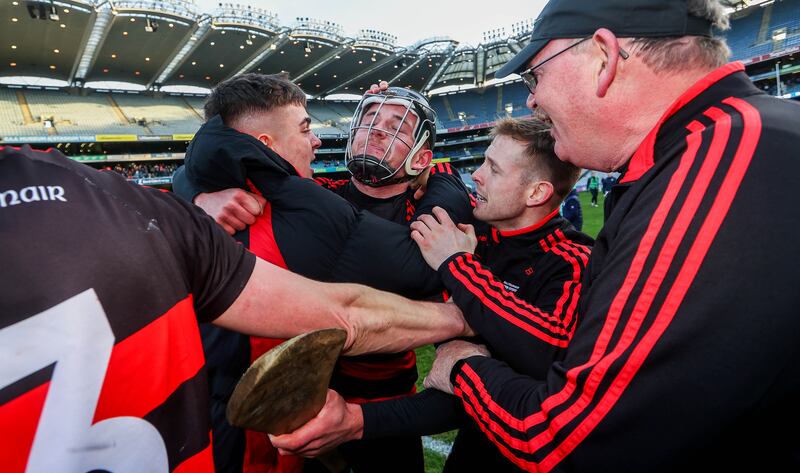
168 115
480 105
56 112
11 119
330 118
71 114
751 34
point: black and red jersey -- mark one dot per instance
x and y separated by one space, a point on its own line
520 292
685 355
102 285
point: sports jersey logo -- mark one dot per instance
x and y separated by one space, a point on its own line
75 336
511 287
31 194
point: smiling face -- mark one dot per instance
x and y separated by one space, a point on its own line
503 184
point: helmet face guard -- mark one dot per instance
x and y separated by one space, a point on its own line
376 171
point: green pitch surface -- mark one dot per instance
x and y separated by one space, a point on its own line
434 460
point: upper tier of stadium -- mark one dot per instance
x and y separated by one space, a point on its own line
156 45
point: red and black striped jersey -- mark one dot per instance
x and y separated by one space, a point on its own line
520 292
102 286
685 355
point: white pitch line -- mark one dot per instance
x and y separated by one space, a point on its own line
438 446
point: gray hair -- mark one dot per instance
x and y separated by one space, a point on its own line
682 52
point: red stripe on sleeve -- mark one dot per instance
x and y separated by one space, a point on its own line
479 288
693 261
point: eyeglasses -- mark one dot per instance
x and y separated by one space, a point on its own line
530 80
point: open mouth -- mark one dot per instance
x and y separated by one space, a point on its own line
480 197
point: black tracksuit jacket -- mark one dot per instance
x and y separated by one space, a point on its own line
686 354
520 292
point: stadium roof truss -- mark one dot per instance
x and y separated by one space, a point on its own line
156 43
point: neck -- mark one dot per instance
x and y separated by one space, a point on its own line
648 112
382 192
529 218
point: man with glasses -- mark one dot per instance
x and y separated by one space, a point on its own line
685 357
686 347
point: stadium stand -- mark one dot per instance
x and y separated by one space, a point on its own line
165 115
11 119
115 127
761 30
480 106
75 114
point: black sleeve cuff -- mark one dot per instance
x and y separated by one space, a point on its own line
459 366
429 412
443 271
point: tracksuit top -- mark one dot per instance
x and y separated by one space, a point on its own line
686 354
520 292
102 285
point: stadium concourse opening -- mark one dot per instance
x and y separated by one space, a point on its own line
121 85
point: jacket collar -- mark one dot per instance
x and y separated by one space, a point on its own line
220 157
532 232
717 85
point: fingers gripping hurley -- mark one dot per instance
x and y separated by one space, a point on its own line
286 386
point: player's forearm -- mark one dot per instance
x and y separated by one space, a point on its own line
380 322
279 304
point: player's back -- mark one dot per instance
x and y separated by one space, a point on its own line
101 358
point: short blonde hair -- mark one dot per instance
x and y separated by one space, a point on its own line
539 148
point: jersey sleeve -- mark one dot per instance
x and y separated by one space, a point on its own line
427 413
527 330
215 266
182 186
382 254
446 190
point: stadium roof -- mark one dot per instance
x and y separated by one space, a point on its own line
155 43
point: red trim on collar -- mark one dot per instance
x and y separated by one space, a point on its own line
535 226
642 159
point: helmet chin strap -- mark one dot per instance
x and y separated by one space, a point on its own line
422 140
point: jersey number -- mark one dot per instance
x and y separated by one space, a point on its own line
76 336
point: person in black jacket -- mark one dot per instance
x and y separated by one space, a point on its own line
517 281
310 230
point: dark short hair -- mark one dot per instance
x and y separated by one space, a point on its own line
539 148
252 93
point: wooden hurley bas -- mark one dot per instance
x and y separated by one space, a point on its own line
286 386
